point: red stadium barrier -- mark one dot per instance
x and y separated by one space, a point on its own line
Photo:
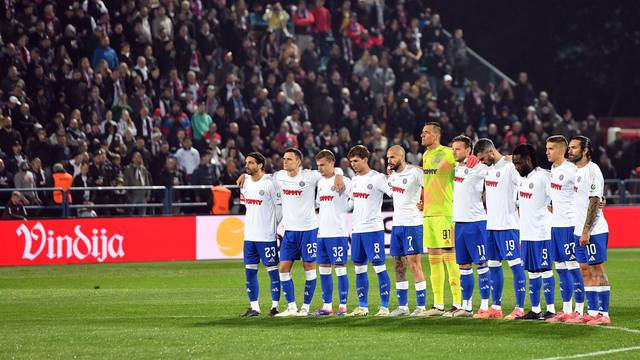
622 231
97 240
103 240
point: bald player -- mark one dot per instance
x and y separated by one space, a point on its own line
406 235
439 166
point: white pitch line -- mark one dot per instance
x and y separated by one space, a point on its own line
633 331
595 353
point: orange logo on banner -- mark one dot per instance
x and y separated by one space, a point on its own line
230 236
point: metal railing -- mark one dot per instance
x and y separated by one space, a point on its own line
168 200
191 198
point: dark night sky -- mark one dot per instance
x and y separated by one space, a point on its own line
585 53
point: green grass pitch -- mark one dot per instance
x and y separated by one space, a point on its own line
191 310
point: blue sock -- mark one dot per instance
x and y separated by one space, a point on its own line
535 282
566 284
519 284
483 282
578 285
592 300
326 283
362 285
402 290
603 295
466 282
253 288
287 287
549 283
384 284
343 285
421 293
275 284
497 283
309 286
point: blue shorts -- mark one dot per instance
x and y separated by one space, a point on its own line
594 253
503 245
471 242
332 250
254 251
368 247
406 240
563 247
536 255
297 244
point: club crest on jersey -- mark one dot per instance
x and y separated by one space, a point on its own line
531 186
301 184
593 186
579 178
370 187
498 174
437 160
404 181
466 171
261 192
561 177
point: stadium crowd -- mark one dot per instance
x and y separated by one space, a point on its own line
167 92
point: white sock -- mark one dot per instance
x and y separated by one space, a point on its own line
439 306
593 313
605 314
566 307
305 307
580 308
536 309
383 308
457 306
292 306
465 305
420 307
551 308
484 304
496 307
255 305
327 306
275 304
403 307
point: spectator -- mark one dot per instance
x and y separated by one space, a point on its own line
458 58
82 180
276 19
105 52
6 182
303 21
200 122
188 157
14 209
136 174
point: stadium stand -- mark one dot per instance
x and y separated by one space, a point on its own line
168 93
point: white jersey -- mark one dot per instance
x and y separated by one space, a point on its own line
467 193
501 186
367 192
533 199
298 199
563 178
406 187
334 207
260 198
589 183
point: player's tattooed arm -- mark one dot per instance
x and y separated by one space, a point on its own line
592 210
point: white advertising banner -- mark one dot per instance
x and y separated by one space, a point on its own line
222 237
